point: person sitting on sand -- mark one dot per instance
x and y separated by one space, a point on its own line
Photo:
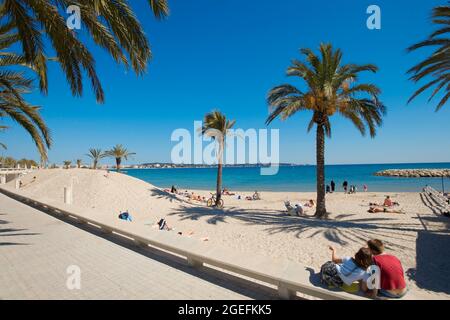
256 195
162 225
392 279
346 270
173 189
374 209
388 202
310 204
299 210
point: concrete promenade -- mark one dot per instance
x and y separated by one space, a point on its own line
37 249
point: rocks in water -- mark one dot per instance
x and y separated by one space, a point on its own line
414 173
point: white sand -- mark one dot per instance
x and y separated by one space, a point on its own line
419 238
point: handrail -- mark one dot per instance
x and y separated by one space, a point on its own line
439 199
289 277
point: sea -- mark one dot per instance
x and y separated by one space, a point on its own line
292 178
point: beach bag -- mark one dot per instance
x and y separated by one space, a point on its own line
329 275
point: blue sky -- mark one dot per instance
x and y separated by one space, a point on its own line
227 55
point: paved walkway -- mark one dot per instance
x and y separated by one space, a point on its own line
36 249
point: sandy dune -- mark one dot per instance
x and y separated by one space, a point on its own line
420 238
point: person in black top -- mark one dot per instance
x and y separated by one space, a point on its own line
333 186
345 185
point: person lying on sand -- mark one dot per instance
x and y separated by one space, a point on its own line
374 209
194 196
255 196
163 226
346 270
227 192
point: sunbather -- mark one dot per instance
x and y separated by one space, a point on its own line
162 225
227 192
310 203
374 209
296 212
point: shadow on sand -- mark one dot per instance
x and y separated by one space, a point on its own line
433 252
335 230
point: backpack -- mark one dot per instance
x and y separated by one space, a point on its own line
329 275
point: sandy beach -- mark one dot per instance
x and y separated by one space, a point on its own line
419 238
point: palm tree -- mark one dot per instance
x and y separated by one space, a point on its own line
119 152
112 25
216 125
2 145
14 84
437 65
330 88
79 162
67 164
95 155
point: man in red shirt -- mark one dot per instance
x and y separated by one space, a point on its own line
392 279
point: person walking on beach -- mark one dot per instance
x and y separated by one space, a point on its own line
333 186
392 279
345 185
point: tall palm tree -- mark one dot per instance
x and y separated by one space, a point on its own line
95 155
437 65
217 125
14 83
112 25
119 152
79 163
331 89
67 164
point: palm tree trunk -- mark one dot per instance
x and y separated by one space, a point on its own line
118 161
321 210
219 183
95 164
